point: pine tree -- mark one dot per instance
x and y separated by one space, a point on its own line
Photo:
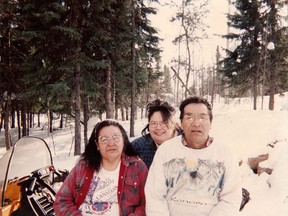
60 42
246 67
241 66
276 35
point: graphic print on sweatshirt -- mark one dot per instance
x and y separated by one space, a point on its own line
101 198
190 180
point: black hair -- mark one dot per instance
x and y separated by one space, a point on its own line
166 110
92 155
195 100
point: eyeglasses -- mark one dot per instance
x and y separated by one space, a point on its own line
154 124
105 139
192 117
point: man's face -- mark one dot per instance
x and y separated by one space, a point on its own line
196 125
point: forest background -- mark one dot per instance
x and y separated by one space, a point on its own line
77 59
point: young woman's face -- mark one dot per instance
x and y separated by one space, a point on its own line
110 143
160 131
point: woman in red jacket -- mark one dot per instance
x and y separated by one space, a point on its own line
109 178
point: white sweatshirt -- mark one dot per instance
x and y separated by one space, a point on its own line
184 181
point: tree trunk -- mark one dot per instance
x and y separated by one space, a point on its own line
75 23
23 119
108 94
213 86
189 62
61 121
6 122
13 114
27 123
77 109
273 72
133 71
86 118
51 122
38 120
31 121
1 120
122 113
127 113
271 100
142 113
18 119
255 92
117 104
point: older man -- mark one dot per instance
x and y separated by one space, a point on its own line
192 174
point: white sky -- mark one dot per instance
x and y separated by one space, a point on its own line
216 19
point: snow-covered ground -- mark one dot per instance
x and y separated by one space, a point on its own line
251 133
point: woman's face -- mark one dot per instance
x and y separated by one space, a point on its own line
110 143
160 131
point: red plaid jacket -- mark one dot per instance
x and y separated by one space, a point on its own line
131 182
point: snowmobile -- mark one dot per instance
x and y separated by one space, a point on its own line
27 176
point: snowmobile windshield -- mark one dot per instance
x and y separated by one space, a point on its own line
27 155
3 169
